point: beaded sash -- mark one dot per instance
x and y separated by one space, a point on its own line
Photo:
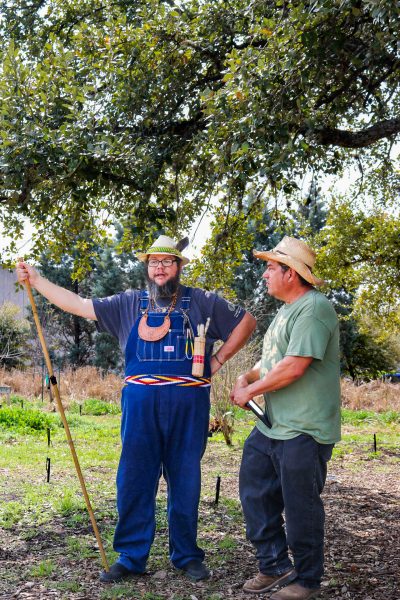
179 380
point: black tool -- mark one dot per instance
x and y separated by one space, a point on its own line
258 411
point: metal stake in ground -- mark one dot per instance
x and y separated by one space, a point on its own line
217 489
60 407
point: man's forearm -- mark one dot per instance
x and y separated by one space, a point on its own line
238 338
252 375
65 299
285 372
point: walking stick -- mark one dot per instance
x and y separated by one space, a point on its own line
54 385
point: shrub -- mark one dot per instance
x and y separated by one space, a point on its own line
25 420
223 412
94 406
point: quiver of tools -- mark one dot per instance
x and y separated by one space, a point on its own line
198 356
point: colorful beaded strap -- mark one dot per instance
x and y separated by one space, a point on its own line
181 381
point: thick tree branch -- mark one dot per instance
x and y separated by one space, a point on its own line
330 136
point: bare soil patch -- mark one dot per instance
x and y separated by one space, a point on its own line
362 500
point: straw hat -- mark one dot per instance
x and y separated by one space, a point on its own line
166 245
295 254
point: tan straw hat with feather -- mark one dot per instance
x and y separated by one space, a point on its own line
295 254
166 245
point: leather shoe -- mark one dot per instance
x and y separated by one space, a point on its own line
262 583
295 591
116 573
196 570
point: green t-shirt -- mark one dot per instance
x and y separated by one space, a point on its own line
311 404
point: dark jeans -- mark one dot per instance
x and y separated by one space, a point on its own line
288 476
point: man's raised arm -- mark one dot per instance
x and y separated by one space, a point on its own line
64 299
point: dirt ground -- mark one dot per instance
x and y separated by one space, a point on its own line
362 500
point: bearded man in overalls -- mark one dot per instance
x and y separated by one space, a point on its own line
165 409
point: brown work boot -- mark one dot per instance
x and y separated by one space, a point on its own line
263 583
295 591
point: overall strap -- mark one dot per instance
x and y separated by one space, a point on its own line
184 308
143 301
186 298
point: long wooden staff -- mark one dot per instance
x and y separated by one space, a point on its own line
54 385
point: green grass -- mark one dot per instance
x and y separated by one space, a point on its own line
67 586
29 503
80 548
10 514
93 406
117 592
44 569
70 504
227 543
365 417
31 508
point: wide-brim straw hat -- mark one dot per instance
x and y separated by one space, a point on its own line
295 254
163 245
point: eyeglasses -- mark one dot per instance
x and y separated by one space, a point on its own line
165 262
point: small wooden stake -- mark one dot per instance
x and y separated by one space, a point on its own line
374 442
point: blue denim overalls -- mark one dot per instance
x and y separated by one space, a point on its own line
165 413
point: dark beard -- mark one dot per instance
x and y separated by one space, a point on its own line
163 291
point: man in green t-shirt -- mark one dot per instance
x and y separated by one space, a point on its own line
284 465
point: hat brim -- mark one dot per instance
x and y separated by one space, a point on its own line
144 257
300 267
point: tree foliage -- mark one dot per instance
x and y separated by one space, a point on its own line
146 111
369 345
14 333
359 251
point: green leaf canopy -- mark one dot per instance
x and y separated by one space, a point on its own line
150 112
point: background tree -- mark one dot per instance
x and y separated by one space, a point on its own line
144 111
360 252
113 273
367 348
74 340
14 332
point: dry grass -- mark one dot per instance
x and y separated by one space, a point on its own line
88 382
374 395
